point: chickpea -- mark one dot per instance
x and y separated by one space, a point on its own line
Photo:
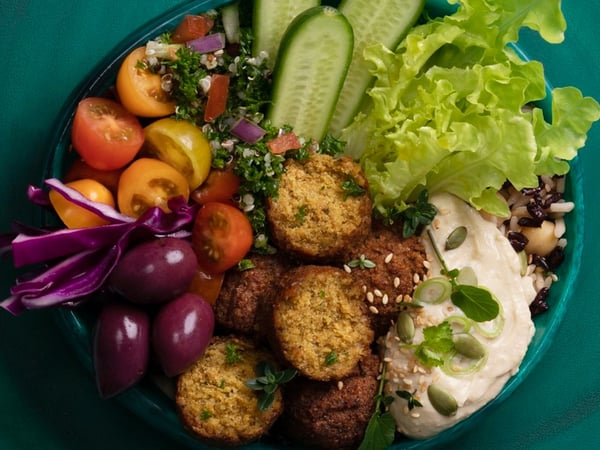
542 240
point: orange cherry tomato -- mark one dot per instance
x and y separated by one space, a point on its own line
105 134
220 186
217 97
192 27
74 216
221 237
139 90
148 182
207 285
80 169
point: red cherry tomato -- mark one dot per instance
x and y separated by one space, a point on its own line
221 237
192 27
80 169
220 186
105 134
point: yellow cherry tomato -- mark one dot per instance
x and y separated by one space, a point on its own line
74 216
180 144
140 91
149 182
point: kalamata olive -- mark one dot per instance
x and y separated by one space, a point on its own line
181 331
155 271
121 347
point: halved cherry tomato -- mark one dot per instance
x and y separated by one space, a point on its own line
105 134
207 285
220 186
217 97
192 27
284 142
74 216
139 90
182 145
79 169
221 237
149 182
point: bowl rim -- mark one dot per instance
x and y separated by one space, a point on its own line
145 400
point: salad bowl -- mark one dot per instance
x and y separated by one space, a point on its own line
148 402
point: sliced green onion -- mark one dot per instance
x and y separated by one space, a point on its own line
464 323
467 275
458 365
433 291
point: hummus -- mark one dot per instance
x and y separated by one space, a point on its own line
506 338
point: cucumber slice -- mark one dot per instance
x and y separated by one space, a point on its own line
270 20
311 66
387 23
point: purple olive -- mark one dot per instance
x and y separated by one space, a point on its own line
181 331
155 271
121 347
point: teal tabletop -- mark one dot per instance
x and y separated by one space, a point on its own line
48 399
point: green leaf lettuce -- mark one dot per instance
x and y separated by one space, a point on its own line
450 108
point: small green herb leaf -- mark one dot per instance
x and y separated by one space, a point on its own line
362 263
380 432
476 302
300 216
420 214
267 382
352 189
410 398
232 355
436 345
331 358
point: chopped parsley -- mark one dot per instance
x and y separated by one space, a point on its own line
267 382
331 358
351 188
205 414
361 262
300 216
232 354
410 398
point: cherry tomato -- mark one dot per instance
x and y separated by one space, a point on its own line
149 182
80 169
221 237
104 134
192 27
182 145
74 216
220 186
206 285
140 91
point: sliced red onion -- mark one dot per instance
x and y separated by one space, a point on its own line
207 44
107 212
38 196
247 131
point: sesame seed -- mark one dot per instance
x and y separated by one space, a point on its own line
398 298
415 415
407 298
364 288
408 381
426 264
384 300
388 258
373 309
416 278
387 359
347 268
370 297
340 385
396 282
378 293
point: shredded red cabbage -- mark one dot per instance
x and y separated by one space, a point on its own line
88 254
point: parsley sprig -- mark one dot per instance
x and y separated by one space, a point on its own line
417 215
267 382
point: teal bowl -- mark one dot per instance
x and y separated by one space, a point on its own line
146 399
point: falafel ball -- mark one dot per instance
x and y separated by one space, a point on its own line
399 264
331 415
212 398
244 293
319 322
323 206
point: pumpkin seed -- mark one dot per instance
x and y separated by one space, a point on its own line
456 238
405 327
442 400
468 345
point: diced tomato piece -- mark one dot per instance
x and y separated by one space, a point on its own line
284 142
192 27
217 97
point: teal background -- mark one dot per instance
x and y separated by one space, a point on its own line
47 398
